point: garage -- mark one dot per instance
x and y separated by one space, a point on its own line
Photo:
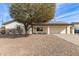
58 29
52 28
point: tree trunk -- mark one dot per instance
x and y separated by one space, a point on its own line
26 26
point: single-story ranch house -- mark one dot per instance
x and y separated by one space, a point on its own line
53 28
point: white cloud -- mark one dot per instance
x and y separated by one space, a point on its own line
67 14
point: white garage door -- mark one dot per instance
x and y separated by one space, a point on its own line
57 29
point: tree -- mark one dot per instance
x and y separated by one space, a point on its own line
29 13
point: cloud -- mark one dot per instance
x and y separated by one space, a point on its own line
68 12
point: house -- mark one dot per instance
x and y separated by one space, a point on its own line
55 28
11 27
45 28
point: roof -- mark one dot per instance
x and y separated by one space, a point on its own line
8 22
57 22
52 24
75 23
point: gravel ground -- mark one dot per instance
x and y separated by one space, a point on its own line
71 38
37 45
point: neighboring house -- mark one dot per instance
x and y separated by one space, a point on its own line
11 26
53 28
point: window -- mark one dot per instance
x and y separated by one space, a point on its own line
39 28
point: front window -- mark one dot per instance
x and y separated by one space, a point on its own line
39 28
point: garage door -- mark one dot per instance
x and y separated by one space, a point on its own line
57 29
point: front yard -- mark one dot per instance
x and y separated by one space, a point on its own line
38 45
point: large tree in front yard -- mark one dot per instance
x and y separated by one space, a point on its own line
29 13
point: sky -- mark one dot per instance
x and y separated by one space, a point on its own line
65 12
4 13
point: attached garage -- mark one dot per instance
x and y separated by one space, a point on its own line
58 29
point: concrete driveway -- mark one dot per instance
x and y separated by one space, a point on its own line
70 37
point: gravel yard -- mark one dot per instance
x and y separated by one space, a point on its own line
37 45
71 38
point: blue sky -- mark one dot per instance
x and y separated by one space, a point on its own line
65 12
4 12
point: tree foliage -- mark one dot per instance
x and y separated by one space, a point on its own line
28 13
